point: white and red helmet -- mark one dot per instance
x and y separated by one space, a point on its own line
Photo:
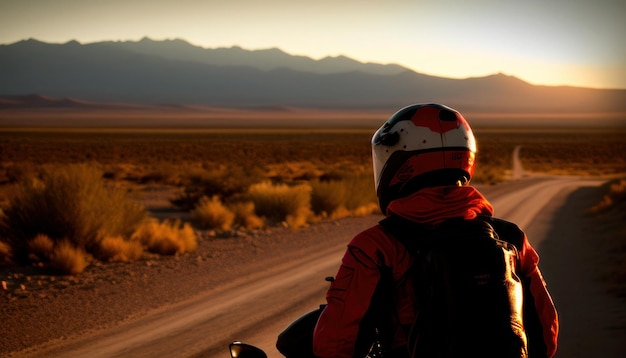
421 145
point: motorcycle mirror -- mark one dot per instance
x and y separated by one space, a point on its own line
243 350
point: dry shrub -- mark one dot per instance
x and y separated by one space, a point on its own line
68 259
353 194
327 197
245 215
68 202
166 238
298 219
360 191
40 248
282 203
117 249
224 182
210 213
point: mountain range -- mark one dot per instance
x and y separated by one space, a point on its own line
177 73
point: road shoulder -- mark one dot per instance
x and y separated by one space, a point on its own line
593 322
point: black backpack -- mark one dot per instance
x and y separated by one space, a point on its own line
469 297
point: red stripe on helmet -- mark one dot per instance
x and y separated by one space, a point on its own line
428 116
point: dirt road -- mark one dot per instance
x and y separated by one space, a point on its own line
266 291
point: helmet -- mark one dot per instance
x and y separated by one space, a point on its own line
420 146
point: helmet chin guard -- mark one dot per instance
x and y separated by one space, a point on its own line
421 145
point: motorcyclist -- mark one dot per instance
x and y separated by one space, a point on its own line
424 158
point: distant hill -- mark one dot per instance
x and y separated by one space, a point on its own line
174 72
266 60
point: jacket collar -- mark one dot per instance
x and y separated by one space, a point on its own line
436 204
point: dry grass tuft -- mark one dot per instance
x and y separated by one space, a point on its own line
245 215
117 249
166 238
328 197
210 213
280 203
41 248
68 259
353 194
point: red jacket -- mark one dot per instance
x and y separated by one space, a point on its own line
349 295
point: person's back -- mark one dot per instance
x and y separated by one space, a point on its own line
468 292
423 161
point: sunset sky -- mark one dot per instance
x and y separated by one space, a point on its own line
552 42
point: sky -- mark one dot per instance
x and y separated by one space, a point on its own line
544 42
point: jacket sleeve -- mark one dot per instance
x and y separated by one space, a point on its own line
348 299
540 315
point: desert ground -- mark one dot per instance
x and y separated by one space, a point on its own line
68 316
249 285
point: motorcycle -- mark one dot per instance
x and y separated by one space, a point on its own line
296 341
244 350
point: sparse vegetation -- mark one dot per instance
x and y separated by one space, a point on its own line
354 194
587 152
60 183
225 182
118 249
280 203
68 202
166 238
68 259
245 215
212 214
67 213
